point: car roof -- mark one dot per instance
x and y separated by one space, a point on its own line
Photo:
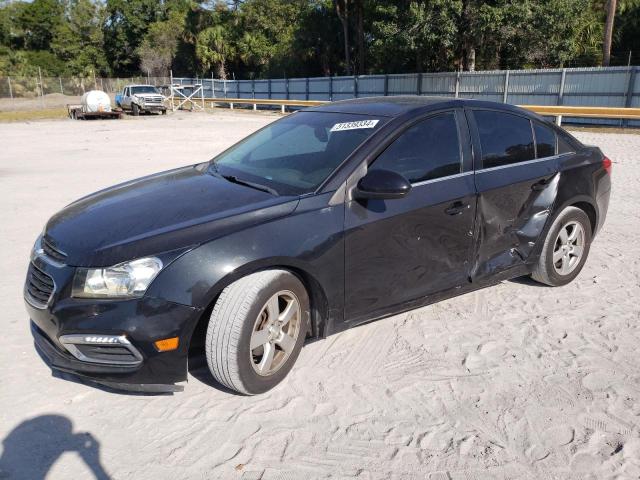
394 106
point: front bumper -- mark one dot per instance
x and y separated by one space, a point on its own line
153 108
142 321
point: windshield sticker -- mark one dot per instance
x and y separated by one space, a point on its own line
339 127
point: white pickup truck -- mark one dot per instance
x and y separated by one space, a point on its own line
141 98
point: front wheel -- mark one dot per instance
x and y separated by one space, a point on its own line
256 331
135 110
565 248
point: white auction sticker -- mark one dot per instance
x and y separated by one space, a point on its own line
339 127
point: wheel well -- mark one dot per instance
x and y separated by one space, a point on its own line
317 300
591 213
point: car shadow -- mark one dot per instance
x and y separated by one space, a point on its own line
528 281
33 447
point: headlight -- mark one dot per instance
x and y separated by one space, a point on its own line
125 280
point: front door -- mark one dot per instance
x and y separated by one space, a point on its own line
401 250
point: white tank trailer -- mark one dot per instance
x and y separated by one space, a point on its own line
95 101
93 104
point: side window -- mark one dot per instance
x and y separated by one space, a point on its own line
429 149
545 140
564 146
504 138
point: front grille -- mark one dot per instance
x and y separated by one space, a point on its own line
155 100
39 286
52 252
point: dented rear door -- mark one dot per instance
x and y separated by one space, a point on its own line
516 179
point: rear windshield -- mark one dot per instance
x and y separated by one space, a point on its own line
296 154
144 89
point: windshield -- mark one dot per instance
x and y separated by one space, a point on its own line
144 89
296 154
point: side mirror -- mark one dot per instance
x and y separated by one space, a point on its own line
382 185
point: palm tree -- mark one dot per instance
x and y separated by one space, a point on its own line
608 32
213 50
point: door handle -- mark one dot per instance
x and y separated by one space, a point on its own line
538 186
456 208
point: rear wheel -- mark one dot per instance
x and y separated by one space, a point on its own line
256 331
565 249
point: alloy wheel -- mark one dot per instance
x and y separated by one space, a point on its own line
275 333
568 248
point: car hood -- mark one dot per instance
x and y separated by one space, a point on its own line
168 211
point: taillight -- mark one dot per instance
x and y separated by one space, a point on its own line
606 163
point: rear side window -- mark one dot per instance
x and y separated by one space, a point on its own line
545 140
564 146
504 138
428 150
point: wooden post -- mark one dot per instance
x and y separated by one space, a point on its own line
61 89
287 87
331 89
10 89
630 85
505 94
419 84
253 89
457 84
559 120
41 88
282 109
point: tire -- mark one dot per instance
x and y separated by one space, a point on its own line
164 112
568 265
135 110
245 308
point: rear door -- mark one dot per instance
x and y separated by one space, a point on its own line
401 250
517 181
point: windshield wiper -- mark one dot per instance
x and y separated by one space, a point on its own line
257 186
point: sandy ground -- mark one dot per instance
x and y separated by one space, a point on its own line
514 381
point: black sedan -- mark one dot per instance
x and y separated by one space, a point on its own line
328 218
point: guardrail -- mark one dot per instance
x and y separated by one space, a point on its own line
546 110
626 113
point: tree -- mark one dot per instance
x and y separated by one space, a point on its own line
608 32
159 46
126 24
39 20
213 50
78 41
342 10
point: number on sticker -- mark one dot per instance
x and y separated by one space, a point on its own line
339 127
